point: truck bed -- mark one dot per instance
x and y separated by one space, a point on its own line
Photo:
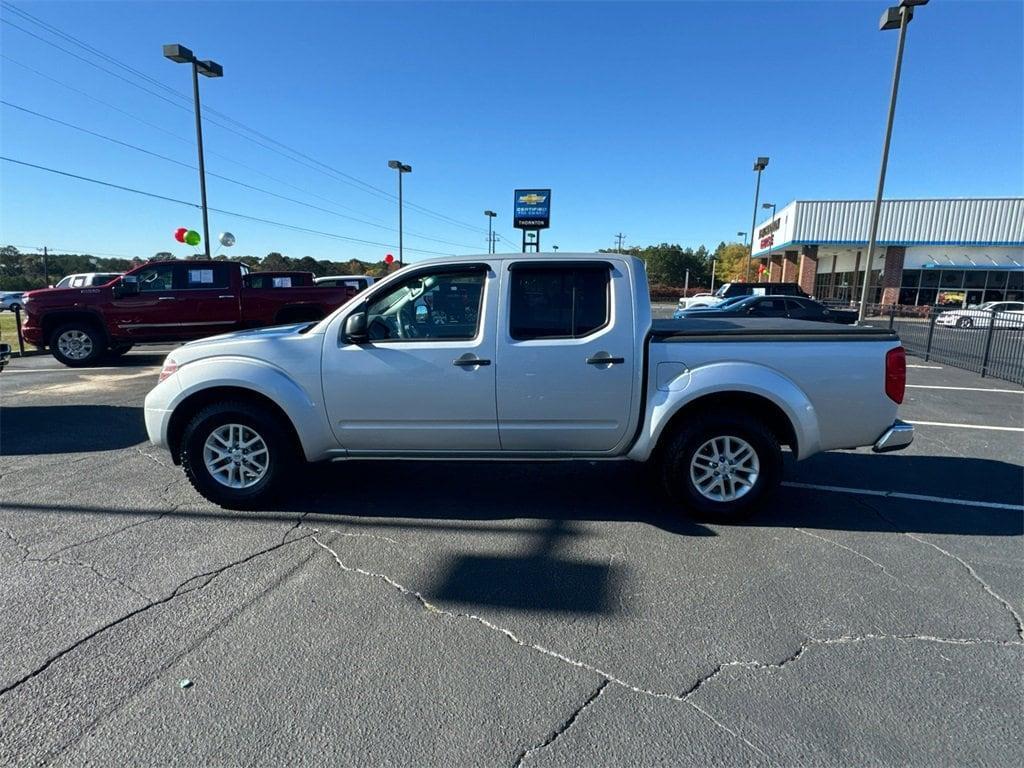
762 329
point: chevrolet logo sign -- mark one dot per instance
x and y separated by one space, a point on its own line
532 198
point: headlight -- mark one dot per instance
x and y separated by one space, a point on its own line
169 369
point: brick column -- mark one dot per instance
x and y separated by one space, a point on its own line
892 273
775 269
832 280
808 271
789 270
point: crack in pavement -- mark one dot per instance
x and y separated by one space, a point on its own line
853 551
565 726
685 696
181 589
1015 615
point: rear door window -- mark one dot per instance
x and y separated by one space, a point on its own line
204 276
558 302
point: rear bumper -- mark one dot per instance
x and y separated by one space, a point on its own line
895 438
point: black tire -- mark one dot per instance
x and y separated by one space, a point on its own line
677 457
119 351
282 453
89 337
965 322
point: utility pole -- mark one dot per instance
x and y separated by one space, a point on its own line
618 242
46 269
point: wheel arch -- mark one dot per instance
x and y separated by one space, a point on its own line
196 401
51 321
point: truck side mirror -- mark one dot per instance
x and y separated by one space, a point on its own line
127 286
355 331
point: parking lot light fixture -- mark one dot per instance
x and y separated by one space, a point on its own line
766 206
402 168
897 17
759 165
179 54
742 236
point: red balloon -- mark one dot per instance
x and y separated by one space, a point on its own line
388 259
179 234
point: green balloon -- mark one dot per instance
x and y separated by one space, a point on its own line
192 237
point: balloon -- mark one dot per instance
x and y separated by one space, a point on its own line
179 234
388 259
226 239
192 237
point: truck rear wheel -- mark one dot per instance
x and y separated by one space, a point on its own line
721 466
77 344
236 454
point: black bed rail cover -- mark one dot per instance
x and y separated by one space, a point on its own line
764 329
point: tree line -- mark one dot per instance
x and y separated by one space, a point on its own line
666 265
25 271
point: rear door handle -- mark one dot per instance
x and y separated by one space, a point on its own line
226 296
603 358
165 298
468 361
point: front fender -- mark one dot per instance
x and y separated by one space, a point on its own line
302 405
669 394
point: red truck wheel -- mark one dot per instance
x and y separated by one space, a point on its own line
77 344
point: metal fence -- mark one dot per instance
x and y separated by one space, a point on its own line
984 341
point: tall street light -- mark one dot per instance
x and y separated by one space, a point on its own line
766 206
401 168
896 17
490 234
742 236
182 55
759 165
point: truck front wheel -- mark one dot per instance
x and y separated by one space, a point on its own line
721 466
77 344
236 454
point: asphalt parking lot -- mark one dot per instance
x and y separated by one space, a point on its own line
528 614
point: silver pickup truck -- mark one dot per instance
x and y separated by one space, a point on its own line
527 356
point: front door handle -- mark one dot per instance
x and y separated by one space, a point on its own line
469 359
603 358
165 298
226 296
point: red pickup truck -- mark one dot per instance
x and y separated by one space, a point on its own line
168 301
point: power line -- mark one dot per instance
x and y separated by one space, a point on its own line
248 217
618 242
222 177
68 251
319 166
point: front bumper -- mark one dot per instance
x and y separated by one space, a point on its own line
895 438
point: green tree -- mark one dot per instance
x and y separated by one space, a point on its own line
731 262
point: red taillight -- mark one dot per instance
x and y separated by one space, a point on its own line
896 374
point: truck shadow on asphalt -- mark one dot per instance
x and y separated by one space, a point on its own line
37 430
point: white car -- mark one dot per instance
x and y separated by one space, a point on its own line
11 300
698 300
1001 314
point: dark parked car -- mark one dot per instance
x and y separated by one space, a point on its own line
793 307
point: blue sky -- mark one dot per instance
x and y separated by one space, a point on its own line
643 118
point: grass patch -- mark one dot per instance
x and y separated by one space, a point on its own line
9 331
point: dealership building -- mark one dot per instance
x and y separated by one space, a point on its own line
949 251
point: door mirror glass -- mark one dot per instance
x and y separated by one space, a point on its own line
127 286
355 328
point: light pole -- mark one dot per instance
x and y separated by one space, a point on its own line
714 263
759 165
894 18
742 236
490 234
182 55
554 248
766 206
401 168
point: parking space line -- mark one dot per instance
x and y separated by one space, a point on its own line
907 496
966 426
966 389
